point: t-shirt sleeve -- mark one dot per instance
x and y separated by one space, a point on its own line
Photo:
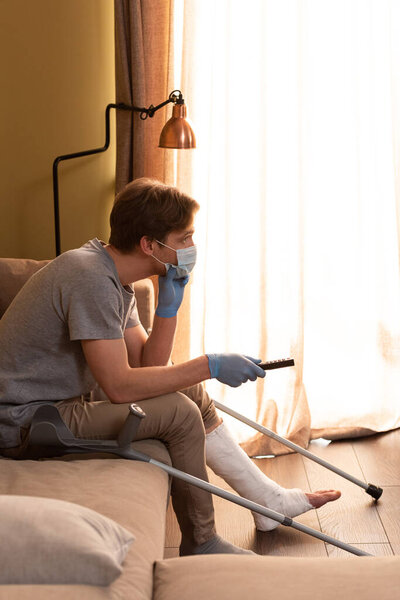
93 311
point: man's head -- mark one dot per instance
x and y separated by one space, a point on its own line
147 207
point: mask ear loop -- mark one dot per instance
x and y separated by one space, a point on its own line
165 245
166 265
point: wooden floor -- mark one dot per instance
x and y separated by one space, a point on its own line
355 518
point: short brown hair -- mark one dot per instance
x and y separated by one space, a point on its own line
148 207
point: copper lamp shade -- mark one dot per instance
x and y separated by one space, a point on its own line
177 132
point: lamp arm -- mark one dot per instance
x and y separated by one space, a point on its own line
175 96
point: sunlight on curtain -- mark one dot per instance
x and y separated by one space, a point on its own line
296 109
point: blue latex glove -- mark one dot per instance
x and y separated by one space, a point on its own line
234 369
170 293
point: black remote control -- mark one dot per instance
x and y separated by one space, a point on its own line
277 364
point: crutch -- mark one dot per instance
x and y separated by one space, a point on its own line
371 489
51 437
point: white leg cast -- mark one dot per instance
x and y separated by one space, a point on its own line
227 459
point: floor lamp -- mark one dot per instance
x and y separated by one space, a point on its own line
176 133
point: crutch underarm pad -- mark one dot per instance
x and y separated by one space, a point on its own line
374 491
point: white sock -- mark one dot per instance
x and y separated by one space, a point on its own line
227 459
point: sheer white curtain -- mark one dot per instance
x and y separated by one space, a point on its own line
296 107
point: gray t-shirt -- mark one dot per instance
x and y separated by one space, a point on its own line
75 297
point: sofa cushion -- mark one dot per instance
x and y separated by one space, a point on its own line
132 493
14 272
52 541
233 577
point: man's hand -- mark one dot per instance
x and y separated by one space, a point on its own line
170 293
234 369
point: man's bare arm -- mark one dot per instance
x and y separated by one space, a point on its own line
158 347
108 361
154 350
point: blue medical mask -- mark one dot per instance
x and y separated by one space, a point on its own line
186 260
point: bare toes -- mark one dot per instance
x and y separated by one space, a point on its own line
321 497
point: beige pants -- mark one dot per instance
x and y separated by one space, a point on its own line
179 420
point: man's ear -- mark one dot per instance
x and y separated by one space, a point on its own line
147 245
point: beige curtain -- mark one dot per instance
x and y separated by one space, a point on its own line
144 75
296 108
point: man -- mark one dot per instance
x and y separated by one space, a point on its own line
74 325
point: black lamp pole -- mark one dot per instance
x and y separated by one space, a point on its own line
175 96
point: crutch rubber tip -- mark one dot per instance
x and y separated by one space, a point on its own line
374 491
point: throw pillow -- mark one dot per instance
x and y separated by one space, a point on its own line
48 541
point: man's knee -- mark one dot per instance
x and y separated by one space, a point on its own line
184 407
171 417
183 412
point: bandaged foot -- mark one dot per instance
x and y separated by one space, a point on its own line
227 459
216 545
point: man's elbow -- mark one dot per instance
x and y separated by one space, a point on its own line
119 394
115 397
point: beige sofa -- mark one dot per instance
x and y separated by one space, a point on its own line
135 495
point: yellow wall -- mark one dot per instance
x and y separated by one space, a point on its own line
57 76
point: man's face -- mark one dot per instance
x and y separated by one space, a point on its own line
177 240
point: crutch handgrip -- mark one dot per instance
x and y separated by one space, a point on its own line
131 425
